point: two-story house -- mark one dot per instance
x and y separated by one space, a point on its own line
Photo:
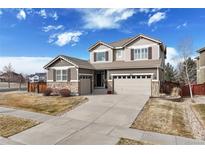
200 60
129 66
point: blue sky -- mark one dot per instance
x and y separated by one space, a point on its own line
37 35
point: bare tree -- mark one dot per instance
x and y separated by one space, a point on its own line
8 73
185 51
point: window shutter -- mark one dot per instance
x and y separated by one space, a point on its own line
106 55
68 75
150 53
94 56
132 54
54 75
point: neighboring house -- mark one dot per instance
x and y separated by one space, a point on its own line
129 66
37 77
201 66
11 77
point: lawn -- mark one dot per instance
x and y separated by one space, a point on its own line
200 110
126 141
164 116
10 125
52 105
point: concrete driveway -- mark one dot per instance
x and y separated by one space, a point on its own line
89 123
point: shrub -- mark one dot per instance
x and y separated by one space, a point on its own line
64 92
47 92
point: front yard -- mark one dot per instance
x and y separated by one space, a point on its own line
164 116
52 105
200 112
126 141
10 125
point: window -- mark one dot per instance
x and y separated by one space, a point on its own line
141 53
58 75
118 54
64 74
100 56
61 75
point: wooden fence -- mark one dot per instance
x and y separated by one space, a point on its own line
38 87
167 87
197 89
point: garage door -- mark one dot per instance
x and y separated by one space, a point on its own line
132 84
85 85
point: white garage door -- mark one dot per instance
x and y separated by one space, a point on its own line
132 84
85 85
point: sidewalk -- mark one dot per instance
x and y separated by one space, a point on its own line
25 114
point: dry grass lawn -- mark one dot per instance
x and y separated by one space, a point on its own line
164 116
10 125
52 105
126 141
200 109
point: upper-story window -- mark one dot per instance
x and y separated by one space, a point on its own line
101 56
141 53
118 54
61 75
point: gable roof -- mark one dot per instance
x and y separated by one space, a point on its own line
98 43
79 63
201 50
124 42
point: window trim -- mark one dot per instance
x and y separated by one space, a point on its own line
136 50
116 54
61 75
96 60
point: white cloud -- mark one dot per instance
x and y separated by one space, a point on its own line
26 65
21 15
65 38
105 18
51 27
55 16
182 25
43 13
172 56
156 18
144 10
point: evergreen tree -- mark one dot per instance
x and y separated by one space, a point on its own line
170 73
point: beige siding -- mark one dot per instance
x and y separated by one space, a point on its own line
202 59
141 41
161 75
85 71
131 71
74 74
50 75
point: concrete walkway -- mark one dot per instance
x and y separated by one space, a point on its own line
25 114
104 119
88 123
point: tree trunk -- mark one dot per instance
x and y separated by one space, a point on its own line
189 83
9 84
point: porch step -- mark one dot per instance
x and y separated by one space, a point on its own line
100 91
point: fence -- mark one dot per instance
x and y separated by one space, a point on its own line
167 86
197 89
38 87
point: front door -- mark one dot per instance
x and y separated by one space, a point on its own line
99 79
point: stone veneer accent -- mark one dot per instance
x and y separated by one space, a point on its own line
110 85
72 86
155 87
